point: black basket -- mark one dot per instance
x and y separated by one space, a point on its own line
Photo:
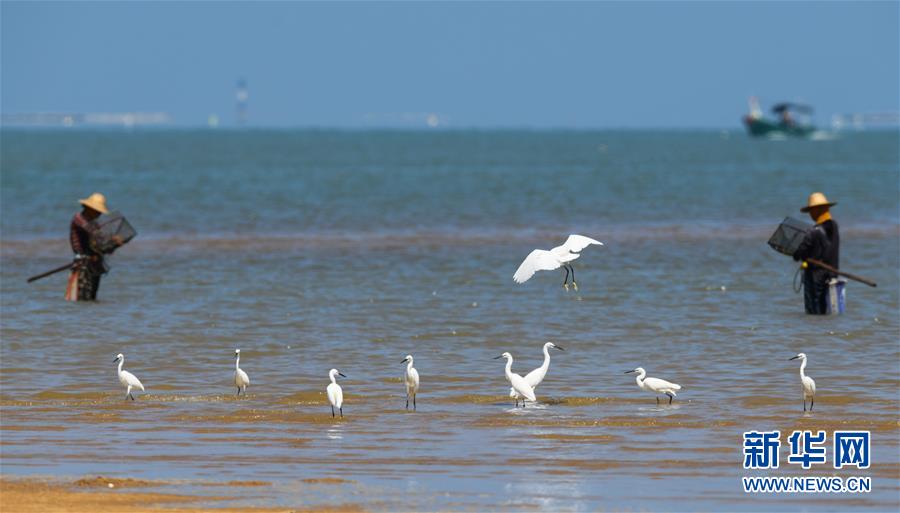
789 235
113 230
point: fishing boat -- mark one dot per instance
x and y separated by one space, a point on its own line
792 121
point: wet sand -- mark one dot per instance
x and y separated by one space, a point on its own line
106 495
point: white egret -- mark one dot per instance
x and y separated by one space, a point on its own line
334 392
127 379
560 256
806 382
655 385
411 379
535 377
519 385
241 380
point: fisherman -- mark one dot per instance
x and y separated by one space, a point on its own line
84 280
821 243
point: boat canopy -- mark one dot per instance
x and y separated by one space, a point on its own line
796 107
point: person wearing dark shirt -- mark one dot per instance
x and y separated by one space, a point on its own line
821 243
84 280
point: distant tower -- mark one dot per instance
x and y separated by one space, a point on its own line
241 97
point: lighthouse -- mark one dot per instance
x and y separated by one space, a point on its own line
241 96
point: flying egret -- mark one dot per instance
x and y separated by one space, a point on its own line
411 379
519 385
241 380
335 394
127 379
655 385
535 377
807 383
560 256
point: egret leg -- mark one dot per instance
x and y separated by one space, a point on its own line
332 412
128 392
574 285
239 391
812 401
670 398
131 396
657 400
414 402
804 404
566 279
342 411
407 400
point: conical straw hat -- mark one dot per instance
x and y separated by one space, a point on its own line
817 199
95 201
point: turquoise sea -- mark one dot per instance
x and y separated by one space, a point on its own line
313 249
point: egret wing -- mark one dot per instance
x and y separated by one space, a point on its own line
537 260
412 380
335 395
131 380
522 388
576 243
660 385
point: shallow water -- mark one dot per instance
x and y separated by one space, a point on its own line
312 250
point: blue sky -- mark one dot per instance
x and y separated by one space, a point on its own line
578 65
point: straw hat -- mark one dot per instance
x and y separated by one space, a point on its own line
817 199
95 201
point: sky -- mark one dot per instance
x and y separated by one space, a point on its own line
464 64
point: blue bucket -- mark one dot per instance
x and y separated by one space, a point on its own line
836 296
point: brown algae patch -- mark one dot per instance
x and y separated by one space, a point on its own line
559 437
238 483
326 480
39 496
114 482
292 416
822 400
668 422
7 427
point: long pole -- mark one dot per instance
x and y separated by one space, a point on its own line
52 271
827 267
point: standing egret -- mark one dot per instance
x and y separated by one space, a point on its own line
519 385
655 385
335 394
127 379
560 256
535 377
807 383
241 380
411 379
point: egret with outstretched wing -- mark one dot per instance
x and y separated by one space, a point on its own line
560 256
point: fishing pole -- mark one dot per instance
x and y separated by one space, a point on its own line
827 267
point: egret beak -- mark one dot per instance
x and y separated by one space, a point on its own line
794 358
341 375
629 372
561 348
498 357
405 360
115 359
